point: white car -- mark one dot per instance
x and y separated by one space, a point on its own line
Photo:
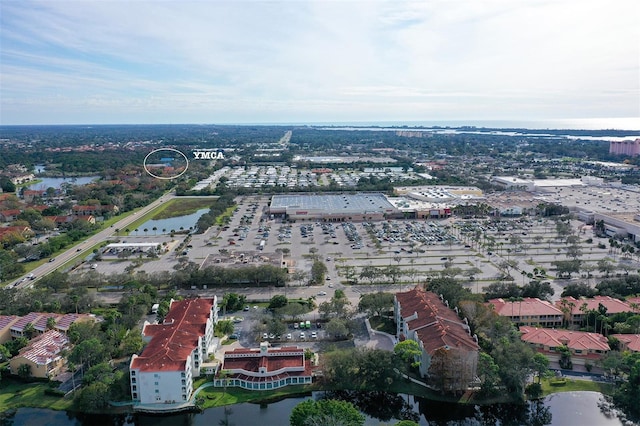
314 335
265 336
302 337
289 337
322 293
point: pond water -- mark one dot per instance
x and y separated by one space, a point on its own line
569 408
47 182
165 226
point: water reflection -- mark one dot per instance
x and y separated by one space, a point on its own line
381 405
570 408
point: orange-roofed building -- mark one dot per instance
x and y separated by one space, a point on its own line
163 373
580 307
628 342
585 347
449 354
264 368
528 311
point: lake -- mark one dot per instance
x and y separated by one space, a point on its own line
561 409
47 182
164 226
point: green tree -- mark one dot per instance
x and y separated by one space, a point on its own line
132 343
337 328
278 301
408 351
488 372
540 365
318 271
326 412
93 398
24 371
224 327
374 304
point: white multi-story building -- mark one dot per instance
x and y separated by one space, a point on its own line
163 373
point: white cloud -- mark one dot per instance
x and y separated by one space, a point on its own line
317 60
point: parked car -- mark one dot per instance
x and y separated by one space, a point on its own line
302 336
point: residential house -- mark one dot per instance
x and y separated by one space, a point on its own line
628 342
6 321
449 354
528 311
20 231
42 355
577 309
163 373
585 347
9 215
30 194
264 368
94 210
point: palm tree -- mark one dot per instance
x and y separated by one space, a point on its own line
155 230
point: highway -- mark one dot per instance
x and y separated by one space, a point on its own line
83 247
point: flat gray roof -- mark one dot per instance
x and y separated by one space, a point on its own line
340 203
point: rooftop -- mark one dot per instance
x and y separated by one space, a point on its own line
528 306
435 324
173 341
572 339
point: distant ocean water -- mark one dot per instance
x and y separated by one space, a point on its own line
620 123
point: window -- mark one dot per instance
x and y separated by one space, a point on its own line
135 395
157 390
133 373
133 380
578 351
182 374
184 382
156 383
134 387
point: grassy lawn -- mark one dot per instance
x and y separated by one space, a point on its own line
383 324
183 207
575 385
216 397
14 394
228 213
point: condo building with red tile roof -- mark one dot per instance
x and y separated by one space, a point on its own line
578 308
528 311
264 368
585 347
628 342
449 357
163 373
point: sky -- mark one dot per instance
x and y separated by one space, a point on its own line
296 61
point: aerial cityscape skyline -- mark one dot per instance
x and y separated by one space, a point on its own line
312 62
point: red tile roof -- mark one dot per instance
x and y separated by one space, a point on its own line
251 360
436 324
631 341
572 339
613 306
173 341
529 306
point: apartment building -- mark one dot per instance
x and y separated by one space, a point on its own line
449 354
163 373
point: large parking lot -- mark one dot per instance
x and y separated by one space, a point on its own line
408 250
